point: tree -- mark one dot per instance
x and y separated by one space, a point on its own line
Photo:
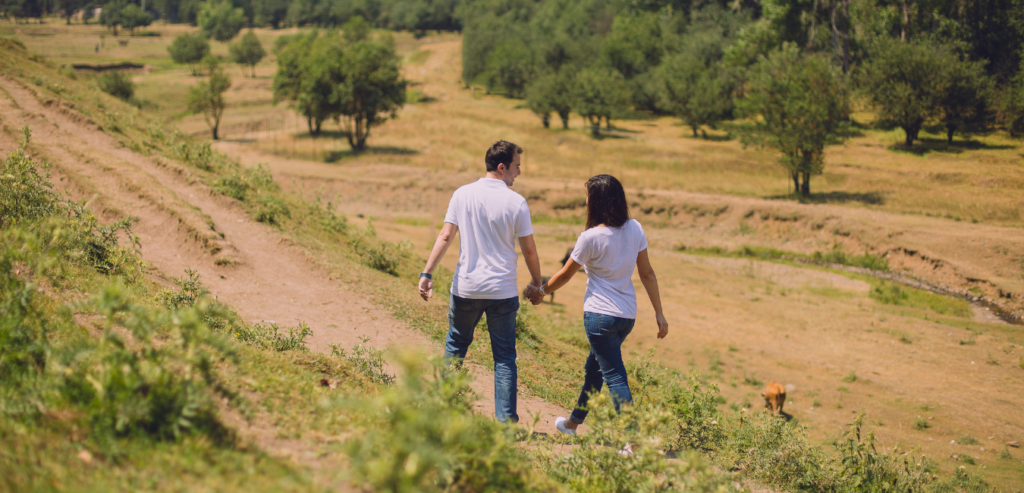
110 15
118 84
1011 106
372 90
697 93
798 104
133 17
220 21
963 99
308 71
599 92
189 49
207 97
248 51
904 81
510 67
355 29
68 8
551 93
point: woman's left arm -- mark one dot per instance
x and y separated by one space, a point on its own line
650 280
558 280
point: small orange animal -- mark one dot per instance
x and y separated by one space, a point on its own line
774 397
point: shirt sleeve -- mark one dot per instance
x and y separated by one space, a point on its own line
581 251
642 237
523 224
452 216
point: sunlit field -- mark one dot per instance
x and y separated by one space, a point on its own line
944 218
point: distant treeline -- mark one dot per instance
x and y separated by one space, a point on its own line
414 15
509 43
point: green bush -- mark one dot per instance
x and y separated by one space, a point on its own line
25 192
422 435
270 337
198 154
921 424
766 447
595 463
118 84
698 422
367 360
891 293
270 209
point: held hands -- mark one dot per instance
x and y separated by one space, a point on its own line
426 288
662 326
533 293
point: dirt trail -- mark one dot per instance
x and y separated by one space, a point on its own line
182 225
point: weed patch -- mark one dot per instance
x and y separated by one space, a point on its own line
890 293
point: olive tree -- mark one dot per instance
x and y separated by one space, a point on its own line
904 82
133 17
371 90
220 21
308 71
551 93
964 95
207 97
189 49
248 51
598 93
797 104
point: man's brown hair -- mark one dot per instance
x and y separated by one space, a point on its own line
501 152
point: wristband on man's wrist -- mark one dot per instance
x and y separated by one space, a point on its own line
541 288
428 276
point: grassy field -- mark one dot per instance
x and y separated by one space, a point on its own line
846 342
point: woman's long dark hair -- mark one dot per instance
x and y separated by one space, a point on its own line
606 202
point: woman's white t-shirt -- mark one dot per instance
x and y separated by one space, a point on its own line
609 255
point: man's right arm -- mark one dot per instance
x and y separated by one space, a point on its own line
444 240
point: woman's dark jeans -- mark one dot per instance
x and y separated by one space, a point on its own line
604 365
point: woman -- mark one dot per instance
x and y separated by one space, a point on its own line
610 247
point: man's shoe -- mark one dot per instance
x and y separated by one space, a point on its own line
560 426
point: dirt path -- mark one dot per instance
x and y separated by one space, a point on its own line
182 225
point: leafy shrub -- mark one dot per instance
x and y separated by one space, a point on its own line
850 377
891 293
921 424
25 192
269 336
367 360
240 182
270 209
118 84
423 436
378 254
765 447
698 421
138 387
596 464
198 154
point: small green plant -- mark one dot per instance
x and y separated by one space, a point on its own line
697 419
968 460
198 154
970 341
1020 363
905 339
967 439
269 336
368 360
991 360
270 210
843 389
751 381
921 424
118 84
850 378
1005 454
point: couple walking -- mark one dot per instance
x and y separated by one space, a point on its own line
491 217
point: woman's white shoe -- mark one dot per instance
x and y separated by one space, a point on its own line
560 426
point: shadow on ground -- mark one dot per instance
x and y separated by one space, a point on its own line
928 145
335 156
868 198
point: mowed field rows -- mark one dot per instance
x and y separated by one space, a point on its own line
934 374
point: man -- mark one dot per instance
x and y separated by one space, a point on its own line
490 217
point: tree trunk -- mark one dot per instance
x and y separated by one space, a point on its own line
805 188
546 120
694 128
214 130
565 119
949 133
796 181
910 136
607 122
309 123
906 21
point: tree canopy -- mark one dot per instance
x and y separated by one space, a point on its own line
248 51
220 20
189 49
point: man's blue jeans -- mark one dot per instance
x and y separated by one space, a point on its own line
463 315
604 364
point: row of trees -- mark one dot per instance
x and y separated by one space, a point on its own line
416 15
351 79
918 63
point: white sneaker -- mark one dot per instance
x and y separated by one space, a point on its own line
560 426
626 451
